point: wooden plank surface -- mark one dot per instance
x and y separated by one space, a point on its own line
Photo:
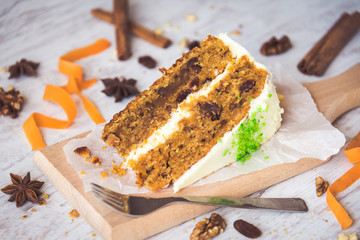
333 98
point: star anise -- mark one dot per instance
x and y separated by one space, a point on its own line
22 189
28 68
11 102
120 88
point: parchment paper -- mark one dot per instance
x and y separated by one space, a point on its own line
304 132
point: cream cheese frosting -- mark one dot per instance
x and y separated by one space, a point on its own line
264 109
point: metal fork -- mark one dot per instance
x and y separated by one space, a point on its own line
137 206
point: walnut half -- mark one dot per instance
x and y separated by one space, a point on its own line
321 186
208 227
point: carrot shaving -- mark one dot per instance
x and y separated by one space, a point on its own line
352 151
61 95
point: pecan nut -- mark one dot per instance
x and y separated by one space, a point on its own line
276 46
247 229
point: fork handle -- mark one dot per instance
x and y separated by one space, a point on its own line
285 204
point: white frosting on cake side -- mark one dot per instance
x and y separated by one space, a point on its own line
223 154
265 109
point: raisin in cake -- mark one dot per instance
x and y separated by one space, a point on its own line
213 107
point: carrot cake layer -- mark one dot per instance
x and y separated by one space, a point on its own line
152 108
220 120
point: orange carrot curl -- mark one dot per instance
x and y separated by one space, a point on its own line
61 95
352 151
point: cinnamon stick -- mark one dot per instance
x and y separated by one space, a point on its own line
135 28
318 59
122 30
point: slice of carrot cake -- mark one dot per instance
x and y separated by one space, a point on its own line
213 107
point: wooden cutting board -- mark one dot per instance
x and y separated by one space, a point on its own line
333 97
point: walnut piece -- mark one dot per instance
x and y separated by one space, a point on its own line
11 102
344 236
321 186
208 227
275 46
83 152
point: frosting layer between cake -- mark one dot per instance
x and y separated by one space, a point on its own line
216 123
265 111
264 115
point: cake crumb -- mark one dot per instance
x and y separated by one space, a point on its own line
158 31
345 236
32 210
96 160
93 235
117 170
74 213
103 174
66 233
46 196
104 147
183 43
82 173
23 217
191 17
285 231
321 186
280 96
3 69
42 202
235 32
82 151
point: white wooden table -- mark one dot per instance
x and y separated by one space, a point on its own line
44 30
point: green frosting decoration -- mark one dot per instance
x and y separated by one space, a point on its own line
248 137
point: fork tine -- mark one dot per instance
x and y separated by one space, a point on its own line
111 204
110 195
106 190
